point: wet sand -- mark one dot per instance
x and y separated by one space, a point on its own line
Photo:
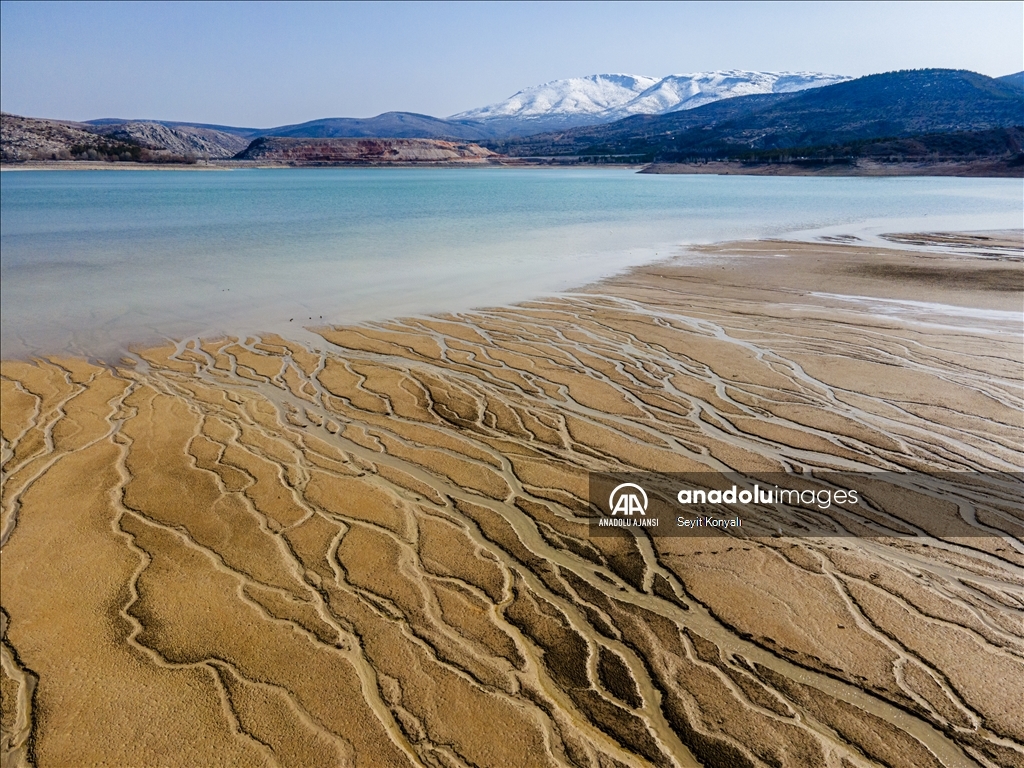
248 552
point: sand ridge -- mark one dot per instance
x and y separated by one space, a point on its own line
246 551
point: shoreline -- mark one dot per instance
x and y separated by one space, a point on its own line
958 169
983 244
227 165
403 510
982 168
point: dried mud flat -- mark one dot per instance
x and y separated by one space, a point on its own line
245 552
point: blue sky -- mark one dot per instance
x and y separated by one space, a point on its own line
265 64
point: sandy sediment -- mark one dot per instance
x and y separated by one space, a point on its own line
246 552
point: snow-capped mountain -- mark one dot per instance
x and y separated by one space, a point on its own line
678 92
593 95
603 98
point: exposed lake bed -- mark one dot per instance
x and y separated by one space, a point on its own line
397 498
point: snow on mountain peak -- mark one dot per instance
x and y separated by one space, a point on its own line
590 95
602 98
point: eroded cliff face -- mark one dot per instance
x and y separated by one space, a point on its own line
362 151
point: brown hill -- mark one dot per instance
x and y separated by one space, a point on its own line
314 152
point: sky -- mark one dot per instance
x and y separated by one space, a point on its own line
268 64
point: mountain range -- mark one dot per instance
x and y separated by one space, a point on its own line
557 104
606 98
681 118
875 107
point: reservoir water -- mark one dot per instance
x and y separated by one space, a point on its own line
92 261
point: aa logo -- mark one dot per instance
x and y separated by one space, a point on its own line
628 498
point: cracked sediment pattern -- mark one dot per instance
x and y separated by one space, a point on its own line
247 552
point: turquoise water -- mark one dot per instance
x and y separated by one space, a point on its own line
91 261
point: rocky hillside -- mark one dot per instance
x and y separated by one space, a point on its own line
29 138
313 152
179 140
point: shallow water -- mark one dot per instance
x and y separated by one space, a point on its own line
91 261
